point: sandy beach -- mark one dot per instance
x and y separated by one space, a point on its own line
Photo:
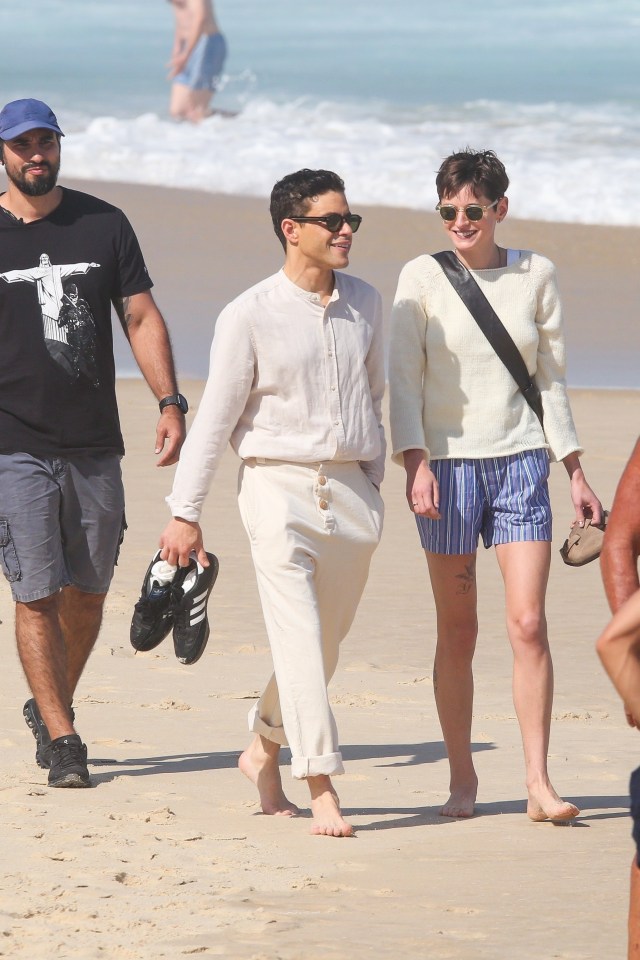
169 855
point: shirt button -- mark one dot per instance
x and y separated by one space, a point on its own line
323 504
322 481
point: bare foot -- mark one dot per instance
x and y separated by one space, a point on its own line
462 801
545 804
325 807
259 763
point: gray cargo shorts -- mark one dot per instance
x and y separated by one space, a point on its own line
61 522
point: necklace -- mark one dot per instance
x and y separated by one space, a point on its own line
502 260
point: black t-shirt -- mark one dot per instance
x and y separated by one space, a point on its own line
58 277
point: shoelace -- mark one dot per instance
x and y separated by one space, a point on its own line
69 754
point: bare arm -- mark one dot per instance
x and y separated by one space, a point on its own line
423 495
621 549
147 334
586 504
619 651
619 645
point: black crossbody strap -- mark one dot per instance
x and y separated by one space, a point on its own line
489 322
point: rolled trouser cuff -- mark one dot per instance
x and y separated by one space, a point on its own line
329 765
259 726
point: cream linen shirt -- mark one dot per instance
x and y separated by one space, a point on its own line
291 380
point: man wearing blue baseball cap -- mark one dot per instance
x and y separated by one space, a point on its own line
61 494
20 116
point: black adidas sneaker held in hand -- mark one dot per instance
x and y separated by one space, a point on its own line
174 598
189 607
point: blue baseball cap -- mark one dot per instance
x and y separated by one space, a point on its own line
21 115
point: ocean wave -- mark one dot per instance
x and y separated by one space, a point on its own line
566 162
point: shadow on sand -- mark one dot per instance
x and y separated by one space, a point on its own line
396 755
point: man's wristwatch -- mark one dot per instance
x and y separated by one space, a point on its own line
176 400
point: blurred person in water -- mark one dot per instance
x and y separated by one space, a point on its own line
198 56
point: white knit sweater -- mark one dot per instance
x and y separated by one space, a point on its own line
450 394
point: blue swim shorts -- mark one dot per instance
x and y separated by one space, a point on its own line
61 522
502 499
634 790
204 67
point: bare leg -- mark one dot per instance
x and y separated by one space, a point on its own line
325 806
453 579
55 636
80 620
259 763
188 104
180 101
200 105
525 570
43 655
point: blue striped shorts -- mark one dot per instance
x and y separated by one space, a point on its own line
502 499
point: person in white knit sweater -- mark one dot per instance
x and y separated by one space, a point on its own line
477 460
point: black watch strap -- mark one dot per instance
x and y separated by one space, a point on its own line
176 400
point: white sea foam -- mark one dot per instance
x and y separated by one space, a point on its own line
567 162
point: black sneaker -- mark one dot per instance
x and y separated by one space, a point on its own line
38 727
153 613
190 622
69 762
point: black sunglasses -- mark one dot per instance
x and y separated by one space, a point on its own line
472 211
333 221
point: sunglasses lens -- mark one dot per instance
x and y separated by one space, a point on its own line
447 212
334 222
474 212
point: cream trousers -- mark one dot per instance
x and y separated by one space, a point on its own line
313 529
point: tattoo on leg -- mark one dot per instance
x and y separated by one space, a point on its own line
467 579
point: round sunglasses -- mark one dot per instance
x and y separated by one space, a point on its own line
472 211
333 221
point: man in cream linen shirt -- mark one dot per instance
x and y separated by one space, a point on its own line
296 384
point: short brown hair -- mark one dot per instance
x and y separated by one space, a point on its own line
479 169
